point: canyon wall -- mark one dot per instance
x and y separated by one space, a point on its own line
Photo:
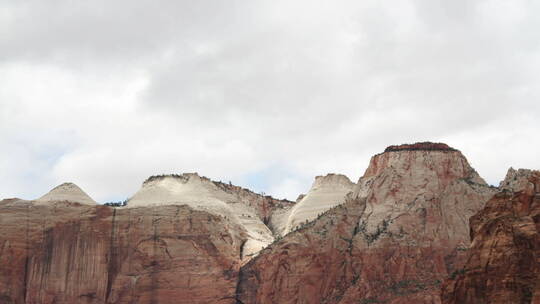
503 263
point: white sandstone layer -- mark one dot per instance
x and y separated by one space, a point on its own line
326 192
67 192
201 193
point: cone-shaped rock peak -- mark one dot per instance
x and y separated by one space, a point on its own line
67 192
326 192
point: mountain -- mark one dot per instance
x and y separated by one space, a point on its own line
503 263
243 207
68 192
326 192
401 234
170 245
394 240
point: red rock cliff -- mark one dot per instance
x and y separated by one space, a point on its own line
71 253
503 263
394 241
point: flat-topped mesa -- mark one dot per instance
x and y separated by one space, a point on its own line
67 192
427 179
402 231
326 192
420 146
437 161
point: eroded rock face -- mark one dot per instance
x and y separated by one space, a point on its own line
74 253
169 246
249 210
503 264
399 235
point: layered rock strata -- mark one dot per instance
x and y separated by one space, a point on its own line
398 236
503 264
75 253
247 209
62 249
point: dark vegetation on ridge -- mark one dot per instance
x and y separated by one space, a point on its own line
227 187
420 146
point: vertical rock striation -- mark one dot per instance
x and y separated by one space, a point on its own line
165 248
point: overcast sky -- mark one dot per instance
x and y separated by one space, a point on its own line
266 94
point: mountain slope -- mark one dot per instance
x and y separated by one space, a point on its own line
395 239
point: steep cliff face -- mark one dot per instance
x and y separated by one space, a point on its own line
164 248
503 264
398 236
74 253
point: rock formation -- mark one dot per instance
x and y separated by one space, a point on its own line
398 236
393 237
54 250
68 192
327 192
247 209
503 264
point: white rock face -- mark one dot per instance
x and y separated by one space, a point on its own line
517 180
202 194
430 193
327 192
67 192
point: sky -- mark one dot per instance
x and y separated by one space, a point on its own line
265 94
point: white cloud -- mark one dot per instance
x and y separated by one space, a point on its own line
106 93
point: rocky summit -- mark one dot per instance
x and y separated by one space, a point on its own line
419 226
398 235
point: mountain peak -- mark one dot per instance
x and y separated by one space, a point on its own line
519 180
67 192
332 180
327 192
420 146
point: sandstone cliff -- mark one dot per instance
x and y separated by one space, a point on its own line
393 237
247 209
503 263
398 236
73 253
62 249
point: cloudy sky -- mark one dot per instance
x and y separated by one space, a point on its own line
266 94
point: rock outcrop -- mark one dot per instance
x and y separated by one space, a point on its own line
503 264
247 209
393 237
398 236
59 251
326 192
68 192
